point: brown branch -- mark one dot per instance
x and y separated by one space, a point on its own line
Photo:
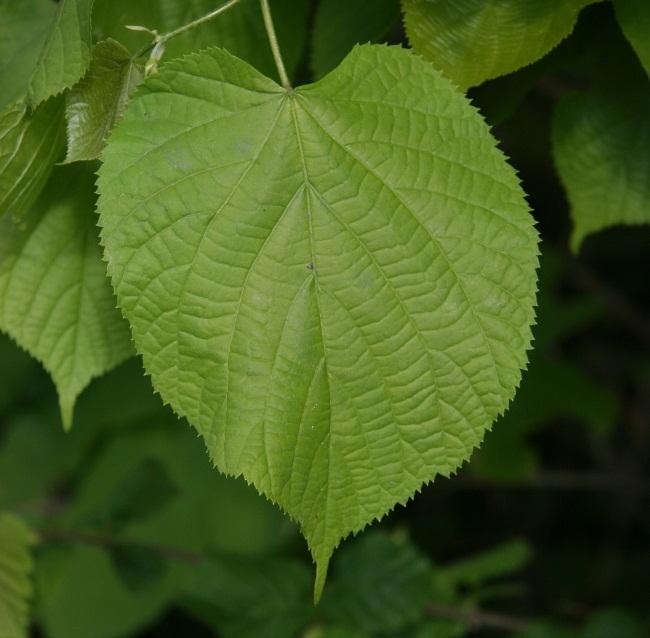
72 537
477 618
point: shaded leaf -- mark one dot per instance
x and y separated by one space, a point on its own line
476 40
634 18
381 585
97 103
23 28
82 594
496 562
55 299
244 599
601 144
375 317
65 56
30 144
16 565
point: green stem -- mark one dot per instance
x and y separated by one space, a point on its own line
195 23
275 47
161 40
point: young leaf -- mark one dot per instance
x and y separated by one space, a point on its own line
634 18
30 144
65 56
335 285
55 299
601 143
16 540
476 40
340 24
23 27
97 103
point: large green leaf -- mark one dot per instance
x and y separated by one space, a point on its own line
475 40
240 30
65 56
601 141
23 27
340 24
634 18
335 285
15 582
30 144
97 103
55 299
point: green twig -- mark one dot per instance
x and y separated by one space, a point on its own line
161 39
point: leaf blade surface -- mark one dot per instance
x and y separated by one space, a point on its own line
311 286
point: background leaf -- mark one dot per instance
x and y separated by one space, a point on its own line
375 317
381 585
510 34
247 599
56 301
65 56
634 18
601 144
23 28
15 576
340 24
97 103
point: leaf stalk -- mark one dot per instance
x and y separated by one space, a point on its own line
275 47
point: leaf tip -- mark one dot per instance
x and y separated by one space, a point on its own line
66 407
322 567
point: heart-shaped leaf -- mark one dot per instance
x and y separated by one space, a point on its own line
334 284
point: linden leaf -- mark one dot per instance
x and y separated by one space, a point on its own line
23 28
476 40
96 104
65 56
30 144
16 587
601 144
334 284
634 18
55 298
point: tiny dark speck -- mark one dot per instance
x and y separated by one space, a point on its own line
310 266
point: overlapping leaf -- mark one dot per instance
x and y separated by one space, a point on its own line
97 103
634 18
475 40
55 299
15 578
335 284
23 27
601 141
30 144
65 56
